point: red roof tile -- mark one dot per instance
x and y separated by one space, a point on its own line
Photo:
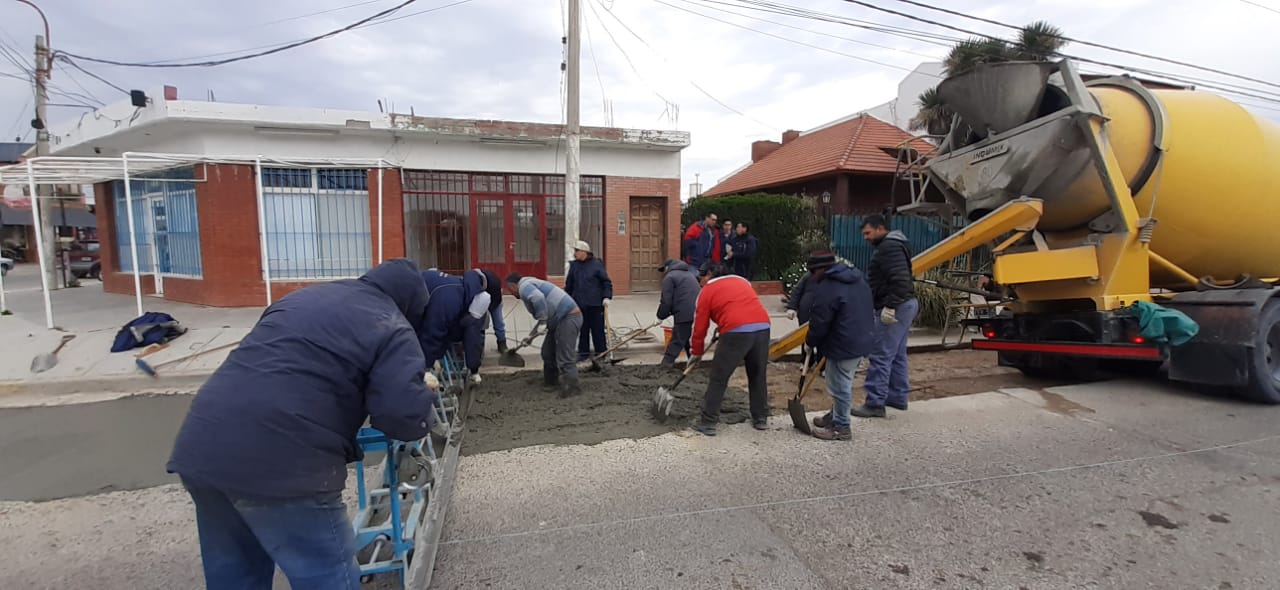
857 145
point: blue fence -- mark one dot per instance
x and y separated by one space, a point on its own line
846 235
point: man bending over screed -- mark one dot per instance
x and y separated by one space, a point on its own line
265 446
731 302
455 313
550 305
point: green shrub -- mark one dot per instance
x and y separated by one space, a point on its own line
934 302
787 227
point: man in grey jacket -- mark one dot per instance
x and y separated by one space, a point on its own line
679 298
551 306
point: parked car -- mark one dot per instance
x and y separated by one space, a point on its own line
6 265
84 261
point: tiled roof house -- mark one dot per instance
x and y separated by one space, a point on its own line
854 161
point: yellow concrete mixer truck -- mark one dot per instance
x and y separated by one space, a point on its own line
1096 196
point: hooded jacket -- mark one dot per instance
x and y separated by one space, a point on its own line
889 272
841 318
702 245
279 418
679 293
588 283
454 314
801 297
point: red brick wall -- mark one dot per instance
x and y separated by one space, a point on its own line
618 191
392 214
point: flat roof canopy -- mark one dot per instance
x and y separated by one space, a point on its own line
44 170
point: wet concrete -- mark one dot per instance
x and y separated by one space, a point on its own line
74 450
514 410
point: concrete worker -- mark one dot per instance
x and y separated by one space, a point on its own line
455 313
493 286
842 329
893 288
551 306
702 244
745 249
731 302
800 299
264 448
680 289
590 287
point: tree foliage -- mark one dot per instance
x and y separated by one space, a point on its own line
785 225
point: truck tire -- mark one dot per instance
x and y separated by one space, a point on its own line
1264 362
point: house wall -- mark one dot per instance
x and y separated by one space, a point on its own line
231 262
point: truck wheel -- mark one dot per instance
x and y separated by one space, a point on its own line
1264 364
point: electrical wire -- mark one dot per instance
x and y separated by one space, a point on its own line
866 4
1262 6
22 111
66 58
664 58
320 12
263 53
591 48
625 55
73 79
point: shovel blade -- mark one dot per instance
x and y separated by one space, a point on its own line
795 407
43 362
662 402
511 359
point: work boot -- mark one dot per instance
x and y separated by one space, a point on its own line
833 433
502 347
865 411
707 428
570 387
901 407
823 421
550 377
760 423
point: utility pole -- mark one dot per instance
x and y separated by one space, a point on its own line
48 228
572 210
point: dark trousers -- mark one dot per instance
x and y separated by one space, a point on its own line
242 540
681 332
737 348
592 331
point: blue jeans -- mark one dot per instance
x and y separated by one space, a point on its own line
840 386
887 372
242 540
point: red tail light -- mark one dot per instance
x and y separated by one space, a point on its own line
1138 340
989 331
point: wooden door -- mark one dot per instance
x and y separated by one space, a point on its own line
648 242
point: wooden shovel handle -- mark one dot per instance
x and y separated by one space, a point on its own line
808 382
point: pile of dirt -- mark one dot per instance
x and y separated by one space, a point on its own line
514 410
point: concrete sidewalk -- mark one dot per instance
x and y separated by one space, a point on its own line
86 365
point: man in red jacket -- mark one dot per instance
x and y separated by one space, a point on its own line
732 303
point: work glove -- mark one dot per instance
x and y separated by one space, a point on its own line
502 347
608 302
791 314
475 379
693 360
888 317
431 382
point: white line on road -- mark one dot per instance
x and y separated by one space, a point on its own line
911 488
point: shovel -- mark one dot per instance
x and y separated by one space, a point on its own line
662 399
510 358
597 365
45 361
795 405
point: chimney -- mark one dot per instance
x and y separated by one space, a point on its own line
789 135
171 92
761 149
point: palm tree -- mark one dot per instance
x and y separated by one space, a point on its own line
971 52
934 115
1038 41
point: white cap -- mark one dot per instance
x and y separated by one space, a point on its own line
581 245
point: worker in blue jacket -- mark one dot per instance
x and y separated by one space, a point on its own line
493 286
589 285
265 446
455 313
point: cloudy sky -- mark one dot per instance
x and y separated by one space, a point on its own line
659 64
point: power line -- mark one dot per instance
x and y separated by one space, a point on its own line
77 82
591 48
264 53
691 82
22 111
1062 37
65 58
625 55
1262 6
320 12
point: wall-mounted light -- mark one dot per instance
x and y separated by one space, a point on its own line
826 197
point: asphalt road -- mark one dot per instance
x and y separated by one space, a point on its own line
1107 485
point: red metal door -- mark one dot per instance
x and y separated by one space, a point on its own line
508 234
